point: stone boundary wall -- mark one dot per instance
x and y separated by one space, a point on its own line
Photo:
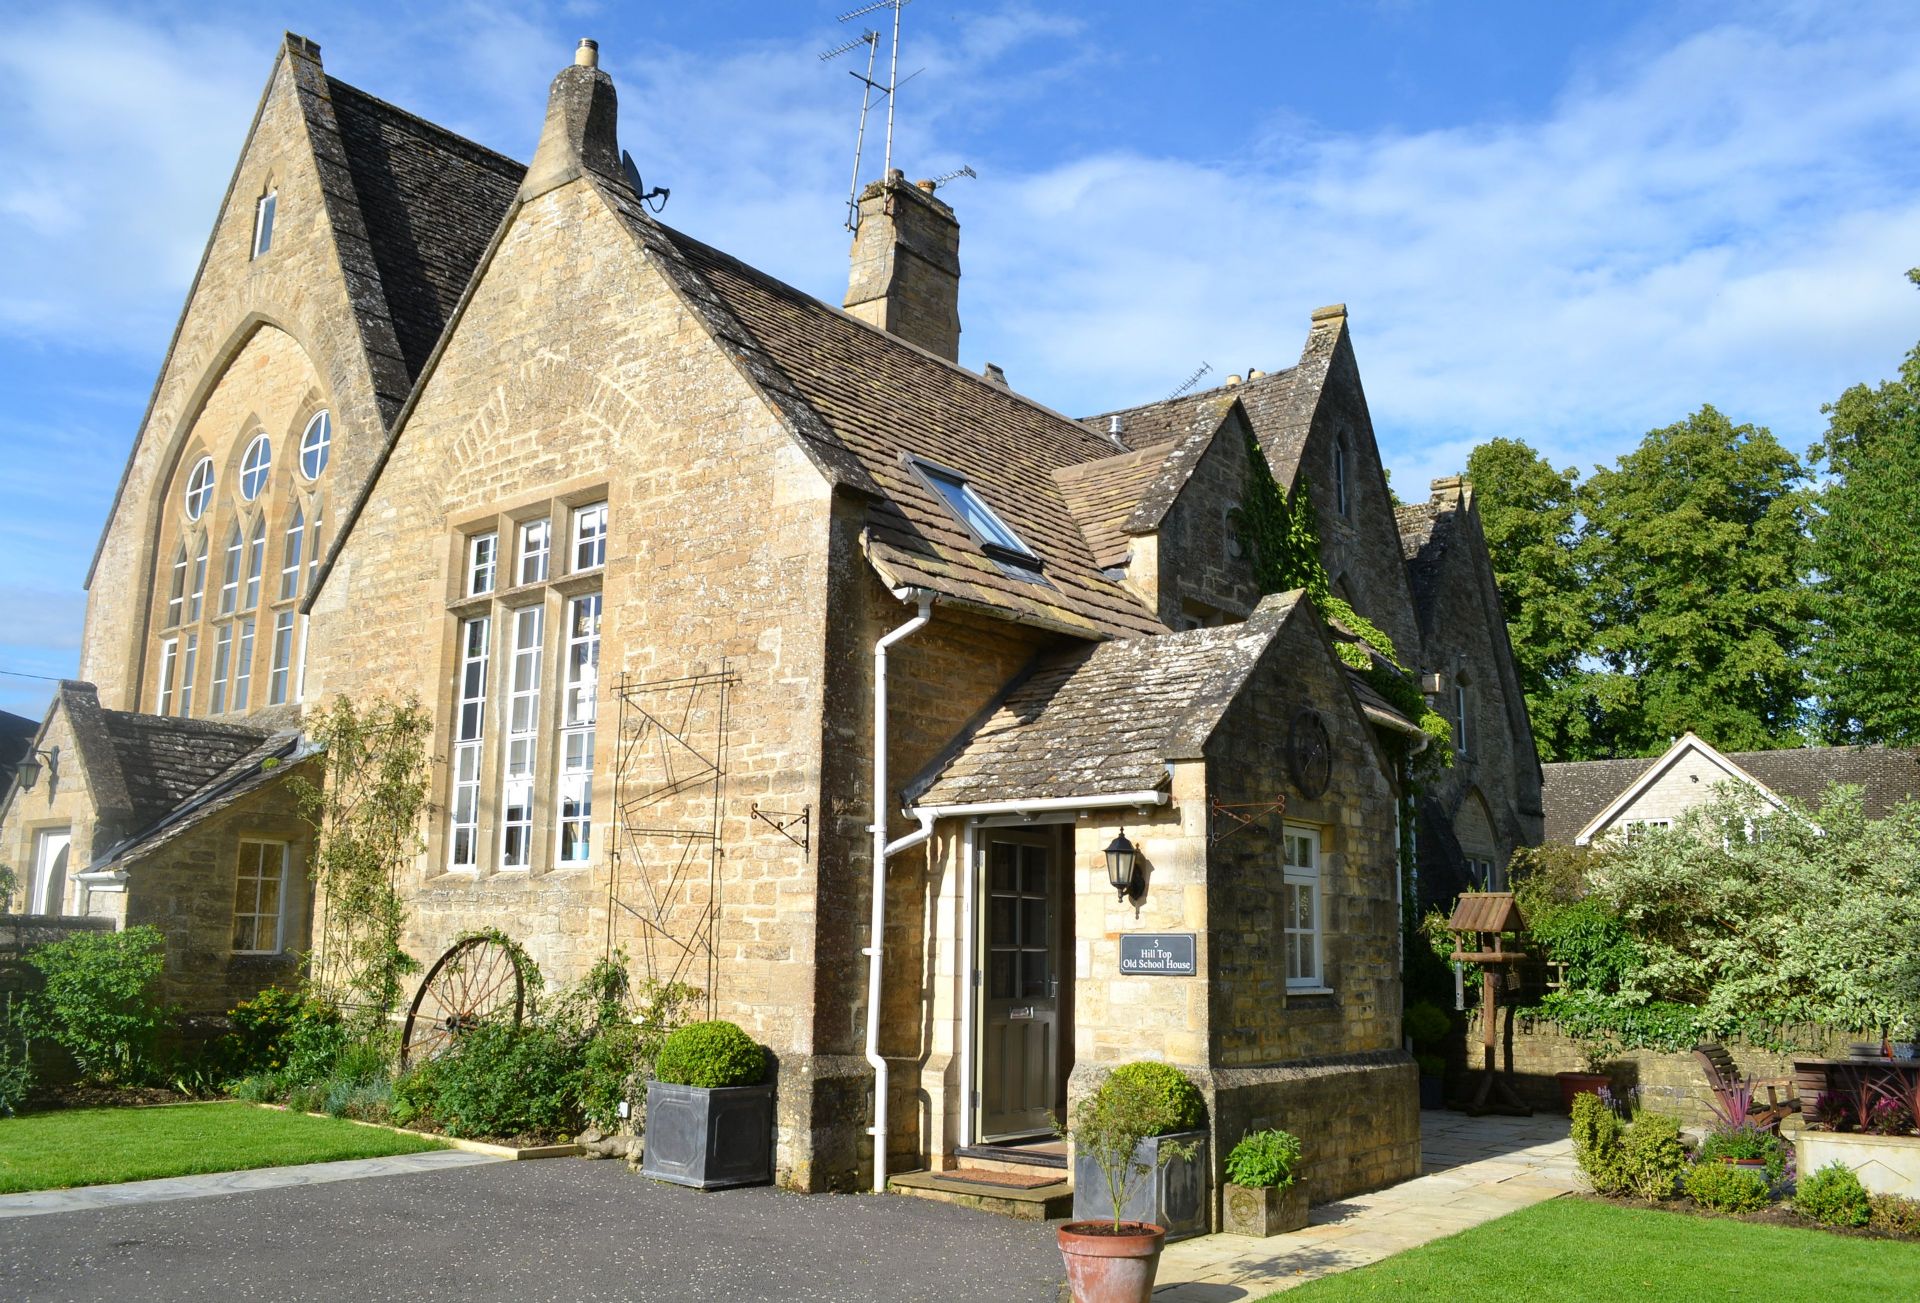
20 933
1534 1050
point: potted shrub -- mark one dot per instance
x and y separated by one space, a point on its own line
1426 1025
709 1110
1747 1146
1177 1192
1119 1145
1264 1195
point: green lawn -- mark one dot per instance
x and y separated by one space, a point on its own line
1578 1250
97 1146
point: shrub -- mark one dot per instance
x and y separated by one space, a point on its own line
1597 1144
1431 1065
1833 1196
1110 1123
1715 1185
1893 1213
1889 1117
1264 1160
1171 1102
608 1070
1745 1142
98 1000
1653 1157
1425 1022
498 1080
264 1030
711 1054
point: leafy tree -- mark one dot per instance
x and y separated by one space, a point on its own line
1696 549
1866 556
1531 514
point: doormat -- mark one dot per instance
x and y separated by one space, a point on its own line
1012 1180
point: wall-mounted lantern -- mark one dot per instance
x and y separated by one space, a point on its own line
1121 858
28 770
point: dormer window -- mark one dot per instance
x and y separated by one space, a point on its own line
995 536
263 222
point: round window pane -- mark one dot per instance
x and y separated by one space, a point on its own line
199 488
254 467
315 444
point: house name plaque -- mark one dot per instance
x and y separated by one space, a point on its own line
1165 954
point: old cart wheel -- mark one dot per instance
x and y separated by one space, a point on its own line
478 980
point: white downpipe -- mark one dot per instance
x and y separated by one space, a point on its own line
877 927
969 974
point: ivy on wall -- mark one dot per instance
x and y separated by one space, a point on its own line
1283 540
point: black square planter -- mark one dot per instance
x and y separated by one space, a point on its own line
709 1137
1177 1196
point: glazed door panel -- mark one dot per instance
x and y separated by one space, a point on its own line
1020 988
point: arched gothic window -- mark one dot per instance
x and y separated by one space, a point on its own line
230 584
177 594
290 561
256 562
199 488
315 445
256 466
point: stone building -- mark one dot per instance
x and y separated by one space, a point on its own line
765 643
1588 800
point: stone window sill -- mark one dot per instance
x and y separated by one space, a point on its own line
1310 990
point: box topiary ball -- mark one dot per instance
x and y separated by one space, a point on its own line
1175 1103
710 1055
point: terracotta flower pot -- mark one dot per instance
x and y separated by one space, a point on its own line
1579 1083
1103 1267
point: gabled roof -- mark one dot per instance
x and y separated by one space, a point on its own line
1268 400
1106 719
1130 493
1583 797
269 761
164 760
883 401
1426 531
430 201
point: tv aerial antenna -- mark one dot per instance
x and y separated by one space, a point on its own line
870 89
955 175
1190 381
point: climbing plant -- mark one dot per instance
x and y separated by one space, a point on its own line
1282 539
365 813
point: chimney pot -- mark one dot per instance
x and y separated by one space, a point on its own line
1232 380
1254 373
588 54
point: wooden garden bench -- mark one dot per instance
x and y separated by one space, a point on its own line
1723 1075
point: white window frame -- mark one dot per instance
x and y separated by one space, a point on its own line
38 892
469 740
199 495
520 741
169 653
243 665
313 547
256 564
199 590
573 789
535 557
222 667
264 211
1296 877
230 583
282 658
290 560
256 466
959 496
259 878
189 663
1631 829
483 561
316 444
177 589
589 537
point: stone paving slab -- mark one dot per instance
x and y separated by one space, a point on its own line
167 1188
1477 1169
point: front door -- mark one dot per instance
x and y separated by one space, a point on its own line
1020 1024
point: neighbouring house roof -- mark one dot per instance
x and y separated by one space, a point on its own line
1105 719
1279 405
1130 493
431 201
1576 793
1427 529
16 739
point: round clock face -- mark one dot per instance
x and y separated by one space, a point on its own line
1309 754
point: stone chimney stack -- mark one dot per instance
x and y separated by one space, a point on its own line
906 265
580 131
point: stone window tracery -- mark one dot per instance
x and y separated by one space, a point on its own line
256 466
199 488
316 445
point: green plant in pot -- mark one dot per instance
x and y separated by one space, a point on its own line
1426 1025
1264 1195
1594 1049
709 1117
1144 1118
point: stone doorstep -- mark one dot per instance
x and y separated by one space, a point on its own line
455 1142
1040 1204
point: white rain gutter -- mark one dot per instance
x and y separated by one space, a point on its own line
970 919
877 928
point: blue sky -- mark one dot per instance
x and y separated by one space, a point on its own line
1565 223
